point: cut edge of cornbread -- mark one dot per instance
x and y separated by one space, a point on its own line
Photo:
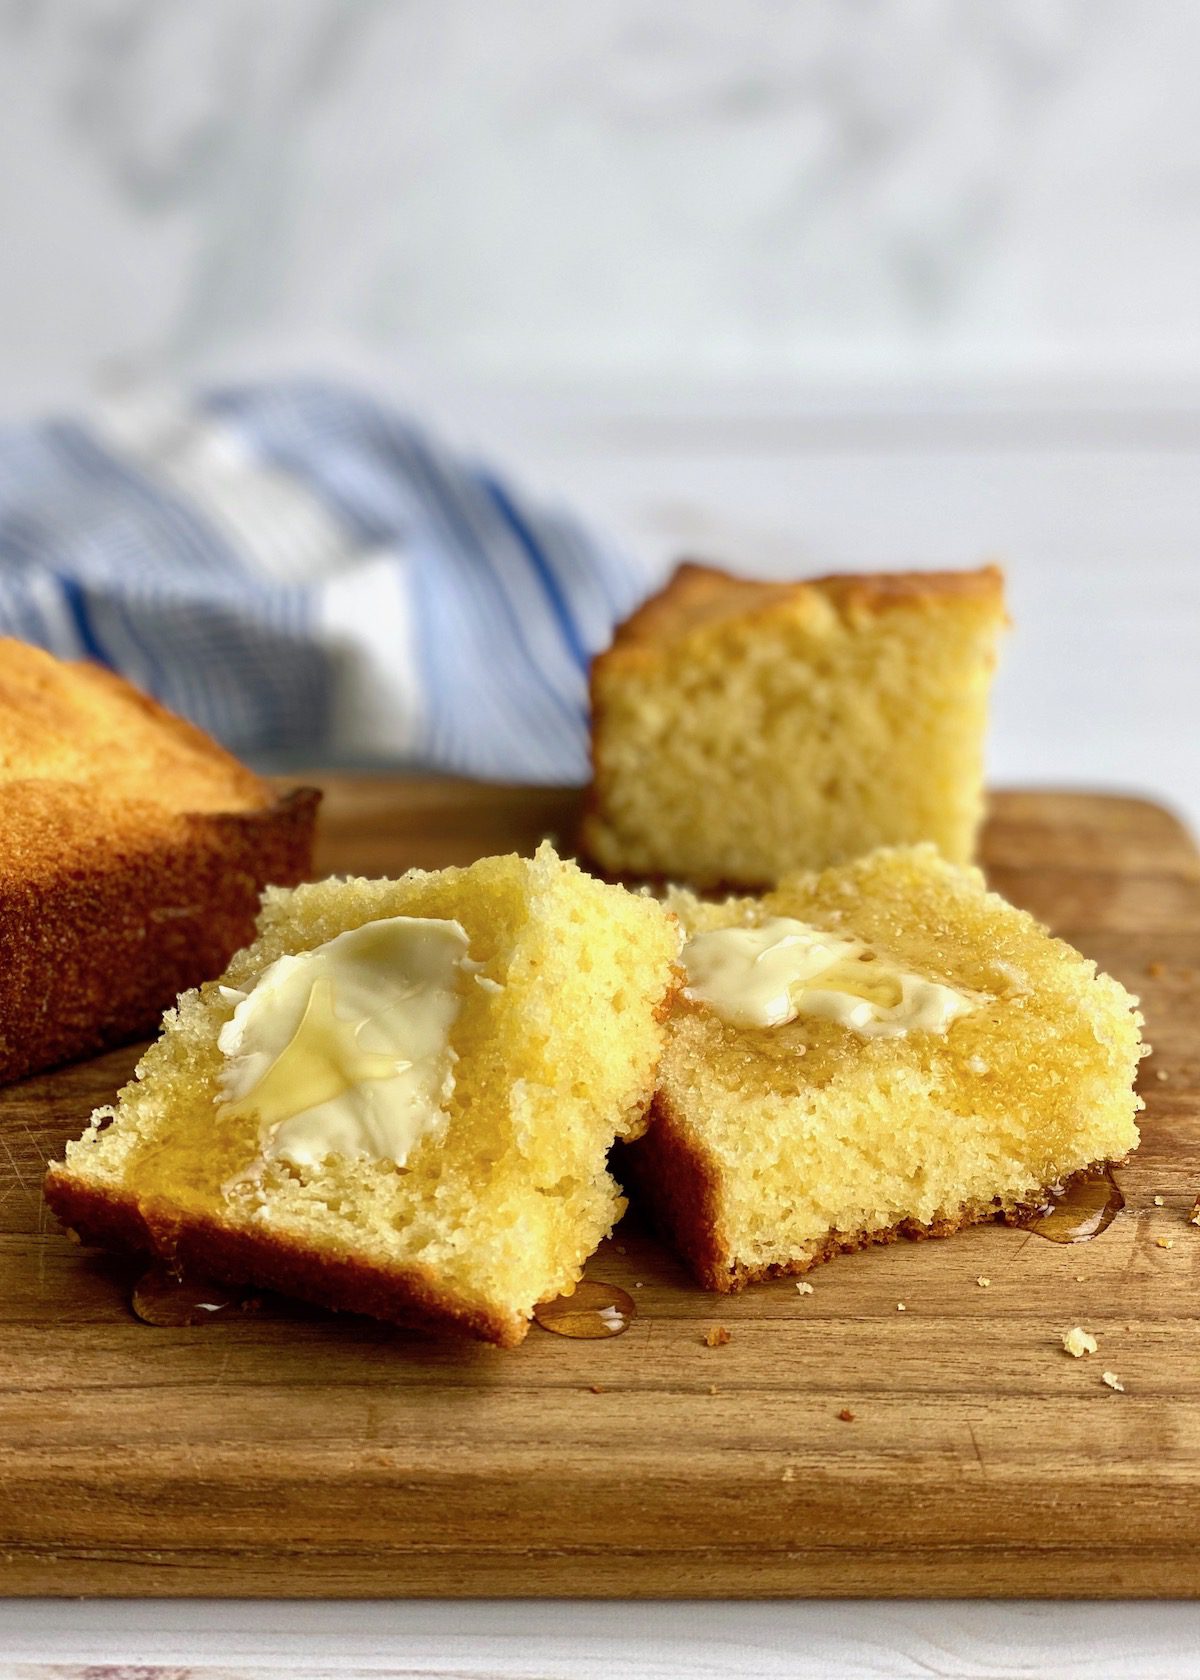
669 1179
744 729
500 1209
408 1296
1073 1092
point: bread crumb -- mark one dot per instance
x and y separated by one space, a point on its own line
1079 1278
1077 1342
1158 1201
713 1389
1194 1216
900 1307
1166 1242
1155 970
845 1415
1161 1074
789 1474
984 1283
1113 1381
596 1389
803 1288
718 1336
638 1286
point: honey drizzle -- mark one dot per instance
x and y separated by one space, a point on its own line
593 1312
166 1299
1078 1210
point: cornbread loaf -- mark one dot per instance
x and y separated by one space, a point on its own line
741 730
551 1043
133 851
773 1147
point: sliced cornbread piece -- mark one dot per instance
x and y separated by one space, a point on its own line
741 730
938 1059
409 1120
133 851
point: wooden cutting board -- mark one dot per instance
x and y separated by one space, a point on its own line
296 1453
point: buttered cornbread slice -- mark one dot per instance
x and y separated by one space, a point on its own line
399 1099
742 730
885 1048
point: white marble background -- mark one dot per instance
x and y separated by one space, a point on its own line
659 191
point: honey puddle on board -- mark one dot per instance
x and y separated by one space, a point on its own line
590 1313
162 1297
1078 1211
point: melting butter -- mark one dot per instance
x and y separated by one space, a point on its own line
345 1049
767 975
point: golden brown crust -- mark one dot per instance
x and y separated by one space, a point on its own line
698 595
673 1182
78 722
108 910
406 1295
133 851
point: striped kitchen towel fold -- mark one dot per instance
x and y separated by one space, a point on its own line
306 574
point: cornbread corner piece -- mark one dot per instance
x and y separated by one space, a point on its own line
133 851
743 730
773 1148
559 1024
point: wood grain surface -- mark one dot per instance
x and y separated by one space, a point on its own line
293 1453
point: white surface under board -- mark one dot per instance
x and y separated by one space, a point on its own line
540 1640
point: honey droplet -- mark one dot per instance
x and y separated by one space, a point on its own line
164 1298
593 1312
1078 1210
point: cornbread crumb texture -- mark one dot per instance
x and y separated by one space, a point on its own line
1078 1341
497 1210
742 730
774 1148
132 854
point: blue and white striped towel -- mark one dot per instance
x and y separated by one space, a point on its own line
304 573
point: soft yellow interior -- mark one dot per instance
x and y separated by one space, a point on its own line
507 1205
794 738
810 1129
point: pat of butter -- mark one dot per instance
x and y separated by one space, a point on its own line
345 1049
768 975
